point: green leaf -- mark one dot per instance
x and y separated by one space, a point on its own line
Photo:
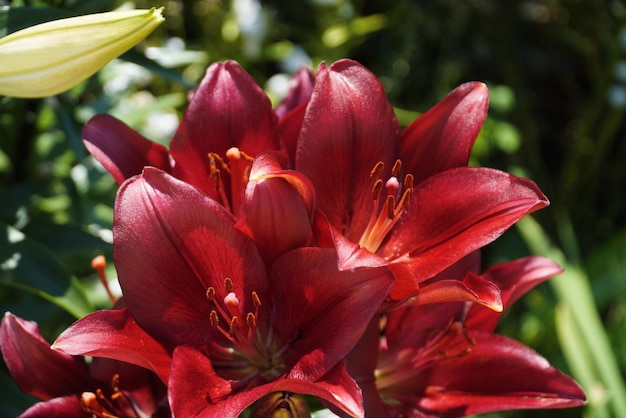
13 19
573 290
27 265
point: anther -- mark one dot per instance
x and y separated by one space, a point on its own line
408 181
228 284
115 382
210 294
376 189
255 299
378 168
99 264
234 322
251 320
396 168
214 319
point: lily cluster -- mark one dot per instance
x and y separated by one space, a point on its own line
312 250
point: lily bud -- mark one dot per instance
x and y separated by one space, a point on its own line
281 405
52 57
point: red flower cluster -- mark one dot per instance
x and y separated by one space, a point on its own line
315 249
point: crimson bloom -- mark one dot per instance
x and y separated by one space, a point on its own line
237 327
445 360
68 387
228 122
404 199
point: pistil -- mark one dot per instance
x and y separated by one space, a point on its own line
388 207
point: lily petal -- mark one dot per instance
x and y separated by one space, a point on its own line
227 110
31 361
196 391
114 334
515 279
456 212
299 91
278 208
442 138
325 308
348 127
66 406
498 374
120 149
172 243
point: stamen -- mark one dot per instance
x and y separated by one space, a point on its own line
99 264
396 168
386 214
377 170
255 299
408 181
391 206
376 189
214 318
251 320
210 294
234 322
228 284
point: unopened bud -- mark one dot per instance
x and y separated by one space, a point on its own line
52 57
281 405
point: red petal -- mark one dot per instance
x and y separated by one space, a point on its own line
31 361
325 308
498 374
349 126
62 407
472 288
290 126
442 138
114 334
514 278
121 150
171 243
195 389
456 212
227 110
299 91
278 208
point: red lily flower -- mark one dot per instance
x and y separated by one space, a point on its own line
405 199
70 388
444 360
238 329
229 119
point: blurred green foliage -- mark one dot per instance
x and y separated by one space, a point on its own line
557 75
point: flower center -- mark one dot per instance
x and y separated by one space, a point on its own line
388 204
250 349
118 405
237 165
401 368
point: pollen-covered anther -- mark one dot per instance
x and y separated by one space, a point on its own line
255 299
228 284
251 320
234 323
210 294
214 319
377 170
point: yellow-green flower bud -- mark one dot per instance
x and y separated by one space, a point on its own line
281 405
52 57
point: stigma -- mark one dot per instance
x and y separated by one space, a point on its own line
390 199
